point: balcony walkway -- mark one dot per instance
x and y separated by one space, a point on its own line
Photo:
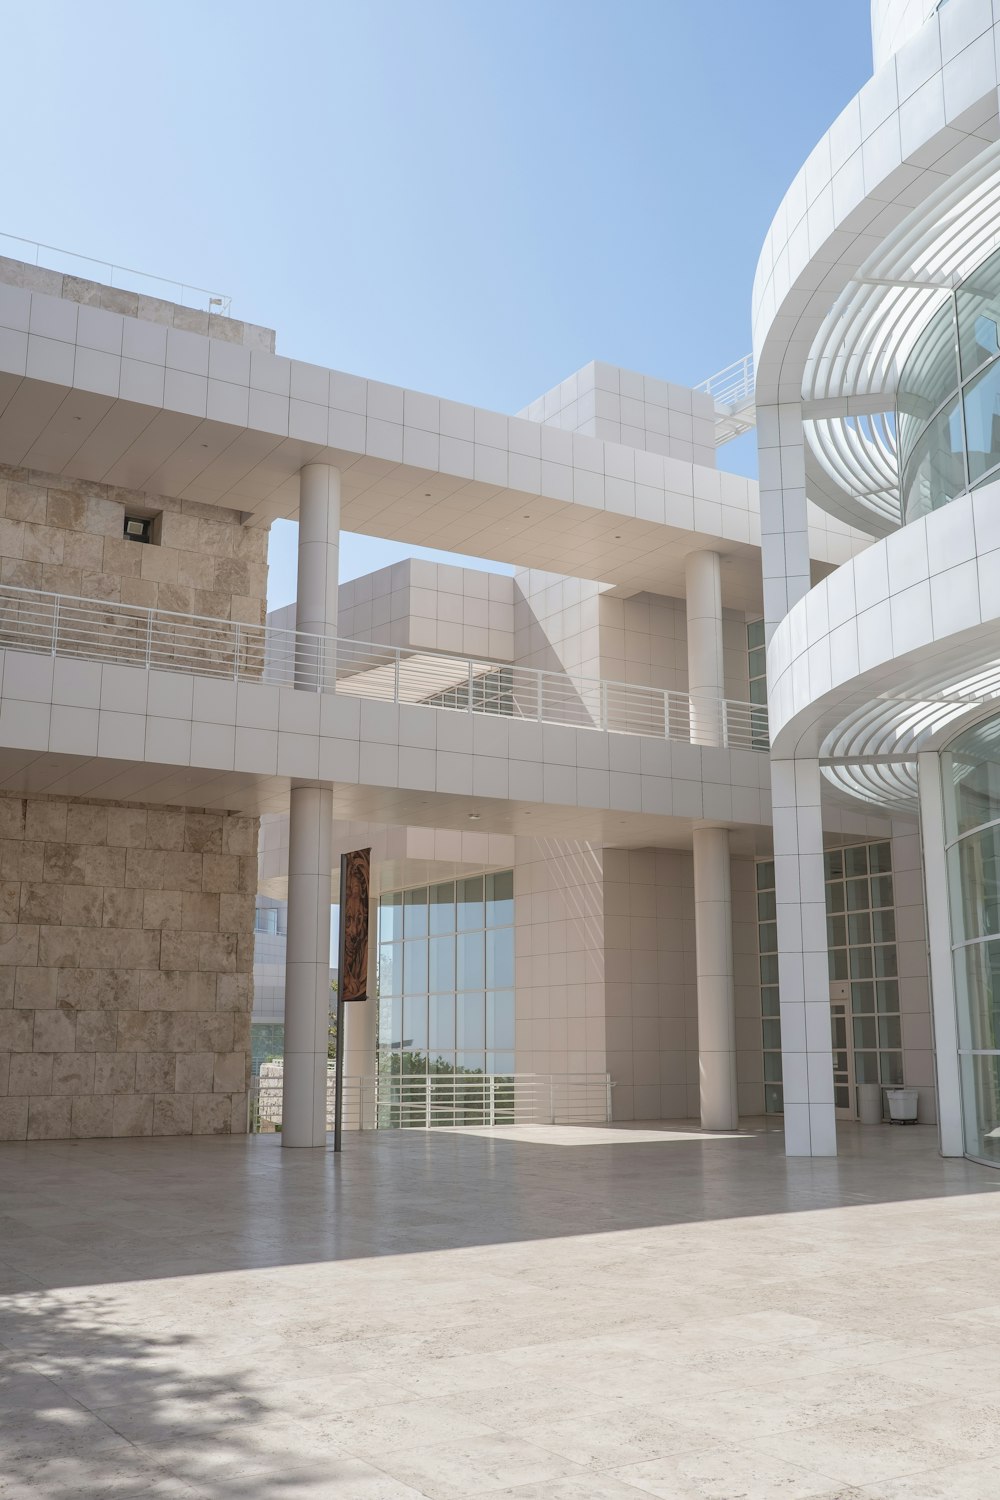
535 1314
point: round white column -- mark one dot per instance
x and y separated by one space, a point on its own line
706 661
713 923
307 966
713 906
310 828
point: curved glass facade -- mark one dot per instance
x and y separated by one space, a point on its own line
948 401
971 768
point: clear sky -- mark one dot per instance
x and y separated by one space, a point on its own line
469 197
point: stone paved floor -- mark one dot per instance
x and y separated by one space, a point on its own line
546 1314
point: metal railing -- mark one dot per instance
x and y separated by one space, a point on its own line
94 630
734 392
124 278
446 1100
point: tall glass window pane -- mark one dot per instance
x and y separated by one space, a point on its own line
500 899
471 969
977 883
415 967
441 954
935 470
442 908
500 958
977 982
470 1014
441 1023
982 423
415 1023
415 913
390 917
500 1020
390 969
928 377
978 300
470 903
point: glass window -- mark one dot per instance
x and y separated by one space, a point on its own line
471 967
836 932
470 904
441 908
441 955
500 1020
415 913
769 1003
772 1036
390 917
981 1107
862 998
978 302
500 958
929 376
859 927
880 858
441 1027
415 1023
415 967
982 423
765 875
766 906
935 470
500 899
470 1012
883 924
390 968
861 963
768 937
977 983
889 1034
978 882
856 860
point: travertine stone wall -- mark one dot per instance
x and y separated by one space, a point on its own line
66 536
126 957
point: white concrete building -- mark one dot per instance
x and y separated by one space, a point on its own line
597 889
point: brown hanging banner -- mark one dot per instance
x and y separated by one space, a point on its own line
352 961
355 871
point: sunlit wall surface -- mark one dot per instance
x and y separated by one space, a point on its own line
948 401
972 789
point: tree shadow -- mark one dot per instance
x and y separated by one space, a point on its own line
88 1408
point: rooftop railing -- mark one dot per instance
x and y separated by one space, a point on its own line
124 278
156 639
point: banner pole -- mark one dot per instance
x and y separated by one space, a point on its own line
338 1081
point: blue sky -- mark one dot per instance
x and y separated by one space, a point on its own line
470 197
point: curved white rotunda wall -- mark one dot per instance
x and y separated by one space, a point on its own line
894 22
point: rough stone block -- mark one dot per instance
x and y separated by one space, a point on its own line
42 902
201 911
83 905
86 824
96 1031
92 1116
11 818
30 1073
7 988
13 1119
221 872
10 894
46 821
230 1073
161 909
55 1031
78 988
212 1114
73 1073
49 1119
164 829
176 989
213 1033
173 1114
217 952
195 1073
36 989
132 1115
123 908
16 1030
127 825
21 861
236 913
154 1072
114 1072
203 833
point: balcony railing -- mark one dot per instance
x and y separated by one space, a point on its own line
131 635
445 1100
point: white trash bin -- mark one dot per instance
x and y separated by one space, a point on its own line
870 1103
902 1106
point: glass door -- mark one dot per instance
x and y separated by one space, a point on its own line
843 1056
